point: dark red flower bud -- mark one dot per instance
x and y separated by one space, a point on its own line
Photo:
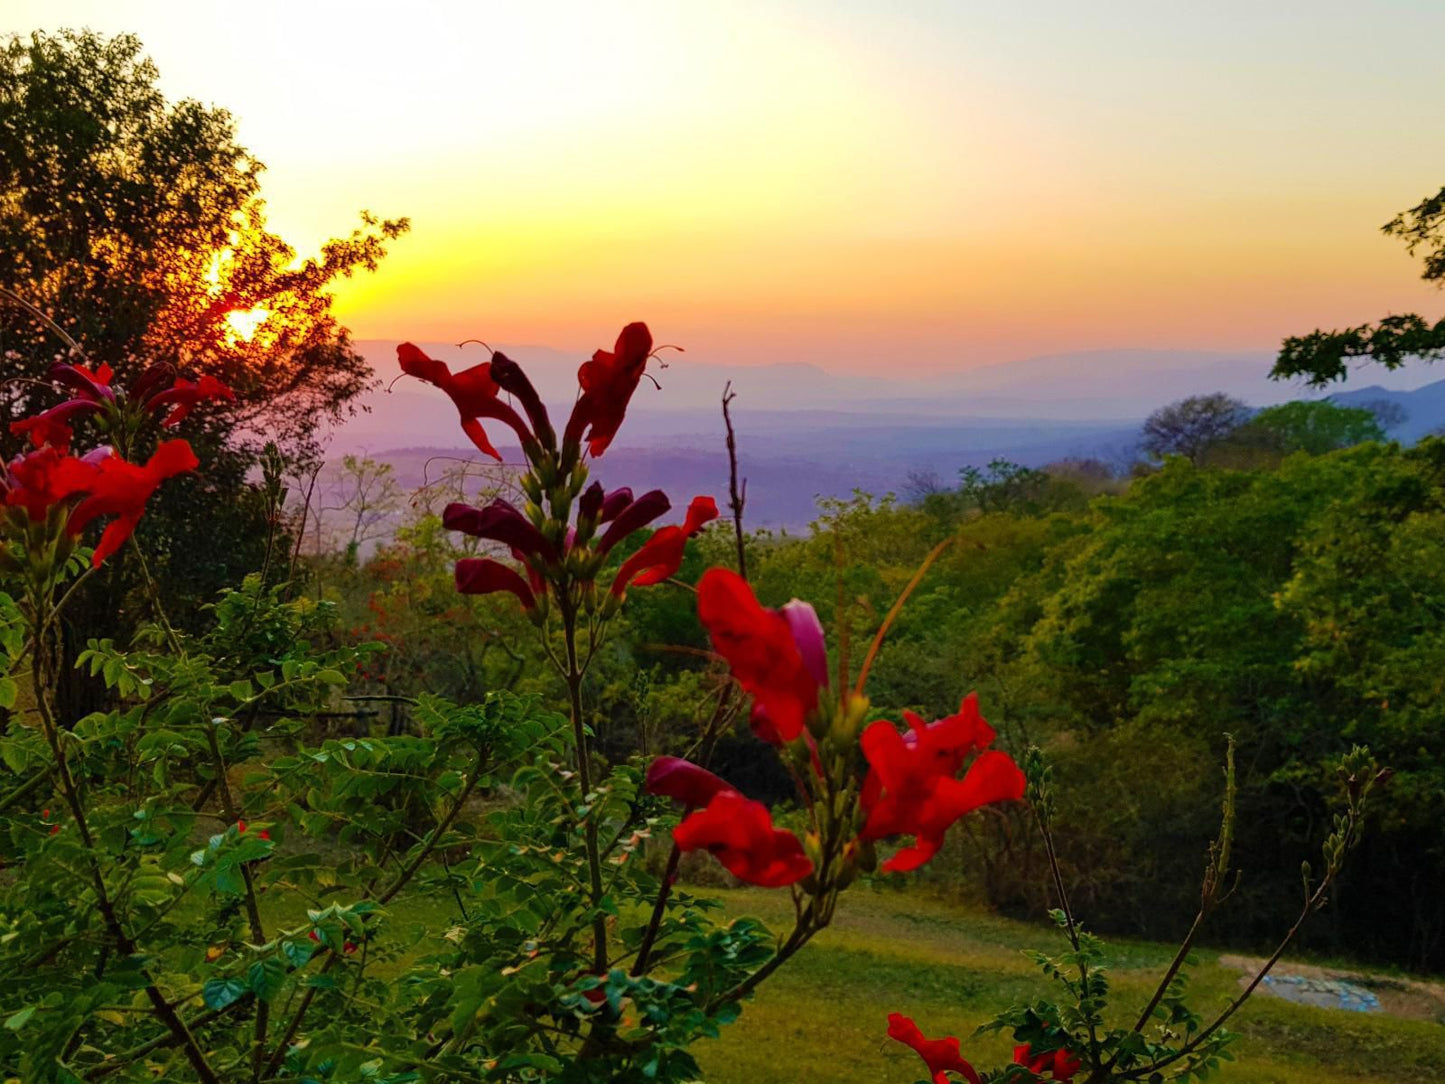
635 516
589 505
483 576
510 378
683 781
499 522
615 503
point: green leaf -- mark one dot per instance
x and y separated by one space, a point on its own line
20 1019
218 993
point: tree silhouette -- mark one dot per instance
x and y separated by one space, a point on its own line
137 224
1322 357
1190 427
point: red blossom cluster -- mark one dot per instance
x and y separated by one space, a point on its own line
543 540
943 1056
41 484
151 394
911 786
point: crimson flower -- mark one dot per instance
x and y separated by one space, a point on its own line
627 515
42 478
942 1056
183 395
911 789
607 383
121 489
761 647
474 392
95 395
483 576
682 780
241 830
499 521
1059 1064
740 834
661 555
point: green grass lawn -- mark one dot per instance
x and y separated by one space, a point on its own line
822 1018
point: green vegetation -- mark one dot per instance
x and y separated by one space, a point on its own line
821 1020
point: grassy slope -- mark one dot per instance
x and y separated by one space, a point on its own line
821 1020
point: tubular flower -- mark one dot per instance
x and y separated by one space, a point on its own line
41 479
911 789
761 650
740 834
511 379
483 576
499 522
683 781
1059 1064
607 383
942 1056
628 515
183 395
121 489
95 395
474 392
661 555
53 426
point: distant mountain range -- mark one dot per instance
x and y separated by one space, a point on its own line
804 432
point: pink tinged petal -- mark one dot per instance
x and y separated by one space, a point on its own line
807 633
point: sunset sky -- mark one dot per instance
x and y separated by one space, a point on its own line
933 185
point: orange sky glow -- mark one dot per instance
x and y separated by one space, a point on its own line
928 185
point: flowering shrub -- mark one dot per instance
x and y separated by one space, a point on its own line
199 887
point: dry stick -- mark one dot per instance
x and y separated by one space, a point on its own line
162 1008
738 498
573 673
301 531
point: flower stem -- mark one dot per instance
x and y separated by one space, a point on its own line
584 777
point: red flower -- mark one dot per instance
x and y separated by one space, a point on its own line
42 478
499 522
761 650
684 781
121 489
741 835
942 1056
661 555
483 576
911 789
607 382
53 426
1060 1064
472 390
262 834
627 515
183 395
95 395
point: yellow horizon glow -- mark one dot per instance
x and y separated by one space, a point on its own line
940 185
